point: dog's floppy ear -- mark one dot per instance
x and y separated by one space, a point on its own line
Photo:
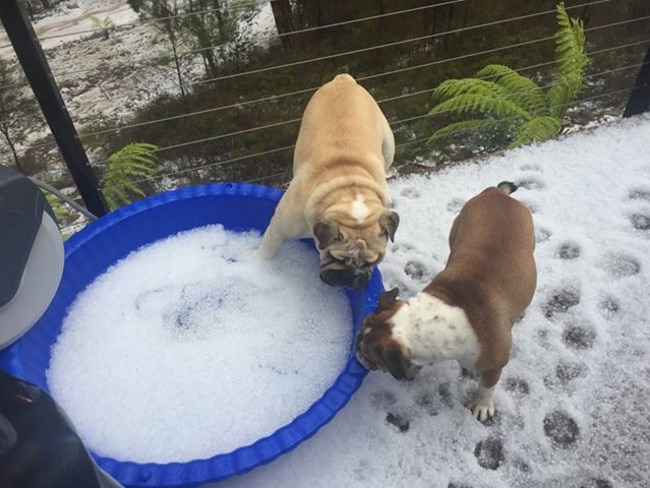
325 231
395 362
386 300
389 221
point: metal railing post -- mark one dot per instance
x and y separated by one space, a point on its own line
639 101
34 64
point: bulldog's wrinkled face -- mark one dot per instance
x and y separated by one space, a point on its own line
377 349
348 255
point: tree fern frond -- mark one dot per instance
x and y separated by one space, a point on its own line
142 147
537 129
141 167
476 103
562 93
505 97
570 45
133 188
466 125
520 89
132 162
456 87
114 196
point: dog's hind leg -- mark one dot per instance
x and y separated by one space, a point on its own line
482 404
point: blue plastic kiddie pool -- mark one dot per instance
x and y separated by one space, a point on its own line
90 252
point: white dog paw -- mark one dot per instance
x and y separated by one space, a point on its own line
481 411
481 404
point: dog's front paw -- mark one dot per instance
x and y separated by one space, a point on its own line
481 405
481 411
259 254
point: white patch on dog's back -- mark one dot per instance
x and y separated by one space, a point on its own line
359 210
435 331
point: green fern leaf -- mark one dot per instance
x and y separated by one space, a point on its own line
562 93
537 129
513 102
477 103
521 90
114 196
135 161
133 188
463 126
457 87
572 60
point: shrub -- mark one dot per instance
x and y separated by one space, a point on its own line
514 109
133 162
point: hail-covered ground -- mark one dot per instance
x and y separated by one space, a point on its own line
572 402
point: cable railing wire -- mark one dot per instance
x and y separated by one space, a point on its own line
285 148
483 53
361 78
144 21
252 4
66 74
401 145
262 178
183 54
202 112
299 31
395 43
220 136
296 120
453 31
313 89
349 22
377 47
374 17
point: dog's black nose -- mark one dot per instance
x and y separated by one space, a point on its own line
360 281
345 277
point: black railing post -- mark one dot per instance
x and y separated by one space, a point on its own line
31 57
639 101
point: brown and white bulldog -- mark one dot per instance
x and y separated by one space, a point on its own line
338 194
467 312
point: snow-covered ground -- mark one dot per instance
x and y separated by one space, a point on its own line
104 80
69 21
572 402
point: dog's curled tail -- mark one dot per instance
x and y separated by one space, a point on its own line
507 187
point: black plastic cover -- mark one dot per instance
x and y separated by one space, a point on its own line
38 446
21 213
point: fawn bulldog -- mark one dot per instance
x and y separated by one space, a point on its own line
467 312
338 194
